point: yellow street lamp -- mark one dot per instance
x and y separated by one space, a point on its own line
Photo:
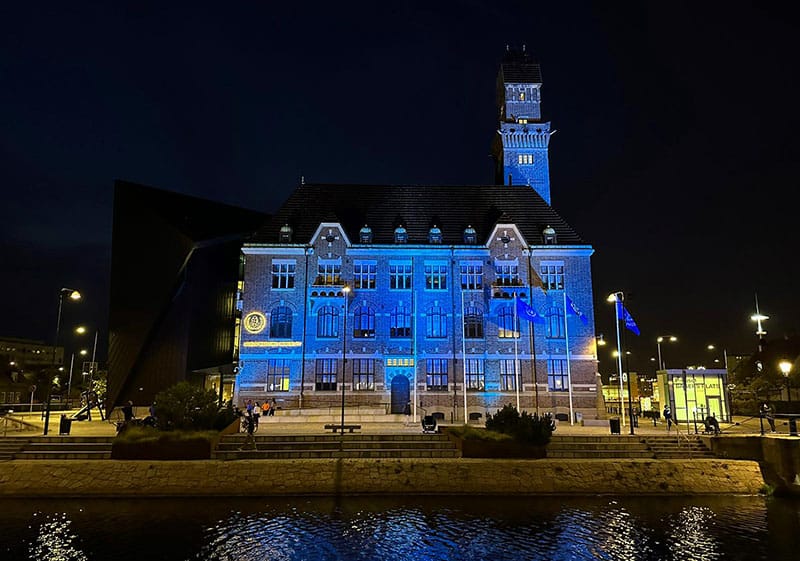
786 367
660 339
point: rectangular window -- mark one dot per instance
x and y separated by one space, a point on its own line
525 159
364 274
278 371
506 273
557 380
552 275
363 374
471 275
436 374
476 379
329 272
283 273
436 276
325 374
508 378
400 276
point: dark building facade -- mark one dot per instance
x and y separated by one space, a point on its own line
174 273
453 300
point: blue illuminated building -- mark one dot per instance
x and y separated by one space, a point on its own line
416 287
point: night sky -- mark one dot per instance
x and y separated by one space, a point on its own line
677 154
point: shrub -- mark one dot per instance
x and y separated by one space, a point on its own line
466 432
188 407
532 429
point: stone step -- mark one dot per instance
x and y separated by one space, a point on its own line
596 445
333 453
358 445
324 419
348 437
588 454
61 455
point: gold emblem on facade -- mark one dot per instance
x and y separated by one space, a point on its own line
255 322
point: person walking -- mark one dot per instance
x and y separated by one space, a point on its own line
767 411
272 407
668 417
250 426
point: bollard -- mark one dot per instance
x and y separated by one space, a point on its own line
793 426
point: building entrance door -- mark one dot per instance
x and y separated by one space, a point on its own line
400 394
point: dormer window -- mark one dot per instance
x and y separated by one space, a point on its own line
365 234
285 235
434 235
549 235
400 235
470 235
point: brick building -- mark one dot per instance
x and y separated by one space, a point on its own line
408 295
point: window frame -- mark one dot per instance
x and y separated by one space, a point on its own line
436 370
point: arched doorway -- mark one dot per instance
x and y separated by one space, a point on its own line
400 394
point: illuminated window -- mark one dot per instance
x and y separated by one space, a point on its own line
278 371
400 322
471 275
552 275
522 121
505 323
436 374
283 273
399 276
363 374
508 377
435 276
525 159
522 95
280 326
555 323
476 379
473 322
329 272
557 379
435 323
364 274
363 322
506 273
325 370
328 322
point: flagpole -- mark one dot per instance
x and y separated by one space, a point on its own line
617 304
516 352
569 373
414 339
464 354
531 334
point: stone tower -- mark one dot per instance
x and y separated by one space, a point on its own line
520 147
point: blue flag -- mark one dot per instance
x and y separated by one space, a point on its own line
625 316
526 312
573 310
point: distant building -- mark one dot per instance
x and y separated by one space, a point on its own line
21 360
406 294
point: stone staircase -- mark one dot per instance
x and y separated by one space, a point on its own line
596 447
326 415
9 447
65 448
682 447
232 446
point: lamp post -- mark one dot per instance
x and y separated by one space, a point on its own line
346 293
661 339
758 317
786 367
618 298
73 295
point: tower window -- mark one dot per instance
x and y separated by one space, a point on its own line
525 159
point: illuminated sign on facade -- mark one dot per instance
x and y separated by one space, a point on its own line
273 344
404 361
255 322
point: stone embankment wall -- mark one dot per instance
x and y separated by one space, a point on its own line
121 478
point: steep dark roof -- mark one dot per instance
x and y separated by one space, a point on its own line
518 67
418 208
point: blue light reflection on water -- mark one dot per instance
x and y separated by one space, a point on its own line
400 529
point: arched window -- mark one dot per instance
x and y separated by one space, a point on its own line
281 323
400 322
435 323
473 322
555 323
505 323
363 322
328 322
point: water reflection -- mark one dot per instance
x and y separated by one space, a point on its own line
418 528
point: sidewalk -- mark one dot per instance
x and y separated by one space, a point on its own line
99 427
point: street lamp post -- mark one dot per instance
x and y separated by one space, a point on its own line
73 295
617 298
345 292
661 339
758 317
786 367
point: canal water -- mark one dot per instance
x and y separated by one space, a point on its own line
401 529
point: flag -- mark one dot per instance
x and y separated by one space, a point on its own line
626 317
527 312
572 309
536 280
